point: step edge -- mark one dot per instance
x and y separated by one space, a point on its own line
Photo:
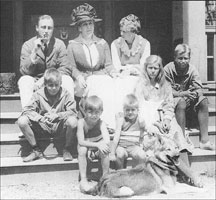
10 115
18 162
197 152
10 162
10 140
5 96
192 132
10 137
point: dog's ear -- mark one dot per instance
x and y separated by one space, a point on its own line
160 139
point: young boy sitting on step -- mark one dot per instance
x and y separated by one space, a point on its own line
93 138
129 134
50 112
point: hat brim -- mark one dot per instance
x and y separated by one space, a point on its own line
83 20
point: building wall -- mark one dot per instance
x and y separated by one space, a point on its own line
6 36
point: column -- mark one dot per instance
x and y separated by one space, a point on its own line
177 22
194 34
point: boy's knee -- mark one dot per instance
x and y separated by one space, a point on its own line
103 155
82 151
71 122
203 104
120 154
23 121
139 154
182 105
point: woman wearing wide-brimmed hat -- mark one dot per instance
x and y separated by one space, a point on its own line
91 62
129 53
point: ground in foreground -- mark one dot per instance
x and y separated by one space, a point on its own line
64 185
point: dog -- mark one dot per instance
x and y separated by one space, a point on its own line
156 175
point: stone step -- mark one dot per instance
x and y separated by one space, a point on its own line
9 128
201 161
211 101
15 144
8 121
209 85
15 165
10 103
9 115
209 93
195 135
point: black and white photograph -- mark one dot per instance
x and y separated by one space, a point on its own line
108 99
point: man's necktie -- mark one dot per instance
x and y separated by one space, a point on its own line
45 49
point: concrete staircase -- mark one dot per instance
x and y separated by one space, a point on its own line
14 146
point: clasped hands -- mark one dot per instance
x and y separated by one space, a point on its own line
49 118
189 94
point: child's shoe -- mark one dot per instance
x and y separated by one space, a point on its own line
67 156
207 146
34 155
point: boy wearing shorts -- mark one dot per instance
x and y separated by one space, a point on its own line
93 139
129 134
51 111
187 93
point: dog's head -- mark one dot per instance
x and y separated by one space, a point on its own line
168 150
161 146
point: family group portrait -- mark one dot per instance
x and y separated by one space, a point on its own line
109 99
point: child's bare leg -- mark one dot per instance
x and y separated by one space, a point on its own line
105 163
138 154
70 134
82 153
121 155
180 114
24 126
203 117
203 120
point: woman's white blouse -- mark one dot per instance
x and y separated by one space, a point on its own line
91 53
